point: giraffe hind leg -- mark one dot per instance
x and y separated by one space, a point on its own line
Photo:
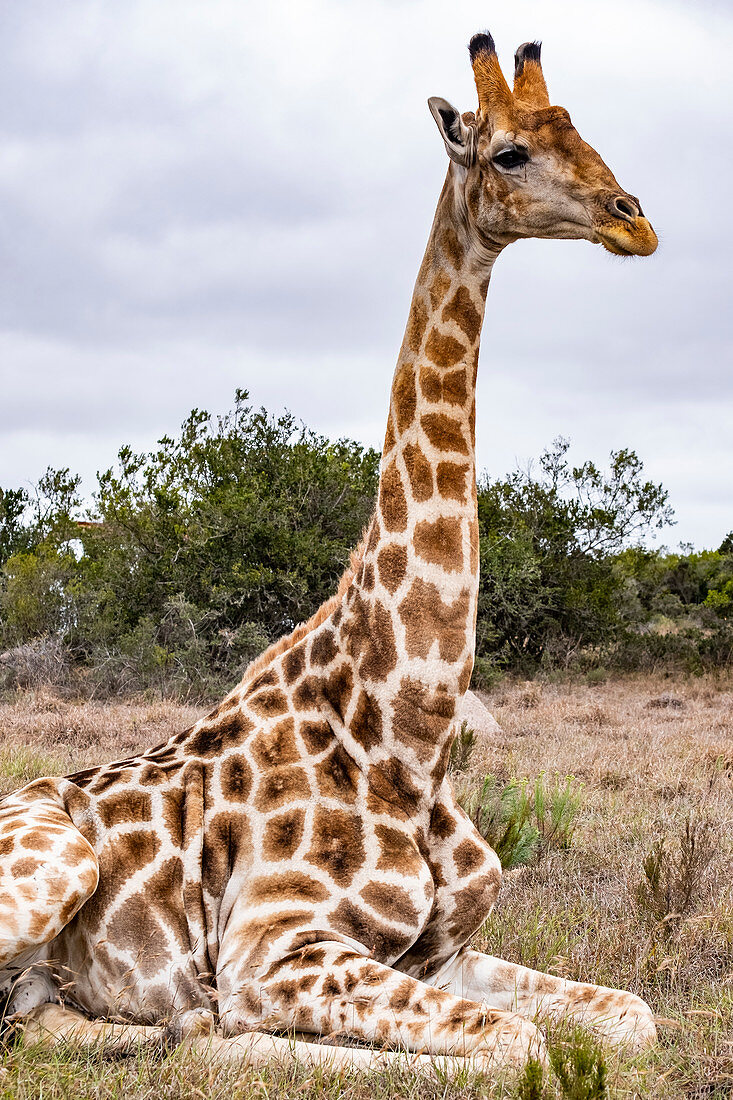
48 870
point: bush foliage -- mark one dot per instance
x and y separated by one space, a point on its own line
196 555
522 821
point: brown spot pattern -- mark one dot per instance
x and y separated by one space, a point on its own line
337 844
390 782
468 857
275 745
390 901
444 351
236 778
283 834
227 836
291 885
323 648
404 397
427 619
445 433
338 687
452 247
228 731
379 649
392 564
281 785
397 851
442 823
317 735
125 806
306 694
268 703
392 500
378 938
390 438
416 324
440 542
294 663
472 903
449 386
462 310
419 471
439 288
422 717
451 478
337 776
366 725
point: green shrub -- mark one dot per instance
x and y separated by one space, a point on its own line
531 1084
36 597
556 807
580 1067
520 820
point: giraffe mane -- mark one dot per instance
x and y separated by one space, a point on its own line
302 629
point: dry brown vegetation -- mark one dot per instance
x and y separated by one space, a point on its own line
643 897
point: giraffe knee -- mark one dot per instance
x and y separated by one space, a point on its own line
34 988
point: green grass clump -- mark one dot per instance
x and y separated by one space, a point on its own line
462 748
19 765
520 820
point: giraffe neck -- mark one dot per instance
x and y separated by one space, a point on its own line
408 618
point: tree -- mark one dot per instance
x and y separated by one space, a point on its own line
548 586
247 521
14 534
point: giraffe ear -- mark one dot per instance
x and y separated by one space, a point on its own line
460 140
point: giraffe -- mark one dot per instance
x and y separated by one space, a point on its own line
297 860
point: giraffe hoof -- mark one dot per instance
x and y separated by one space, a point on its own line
639 1029
513 1042
632 1027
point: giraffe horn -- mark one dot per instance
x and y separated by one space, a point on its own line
529 83
494 94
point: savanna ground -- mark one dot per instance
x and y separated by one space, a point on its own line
655 760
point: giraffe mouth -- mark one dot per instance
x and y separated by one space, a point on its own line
638 239
615 247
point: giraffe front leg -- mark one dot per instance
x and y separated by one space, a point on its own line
51 1025
331 990
258 1048
613 1014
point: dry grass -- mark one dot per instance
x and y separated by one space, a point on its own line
648 768
42 734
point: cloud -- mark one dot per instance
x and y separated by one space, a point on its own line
194 197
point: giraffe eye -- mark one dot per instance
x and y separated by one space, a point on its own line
511 158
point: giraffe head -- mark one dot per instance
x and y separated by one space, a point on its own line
525 171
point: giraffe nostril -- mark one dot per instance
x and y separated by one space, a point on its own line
624 207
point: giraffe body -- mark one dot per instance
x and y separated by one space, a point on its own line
297 859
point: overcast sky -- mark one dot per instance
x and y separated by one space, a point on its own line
199 196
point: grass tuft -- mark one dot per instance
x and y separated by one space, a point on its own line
462 748
674 873
580 1067
521 821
